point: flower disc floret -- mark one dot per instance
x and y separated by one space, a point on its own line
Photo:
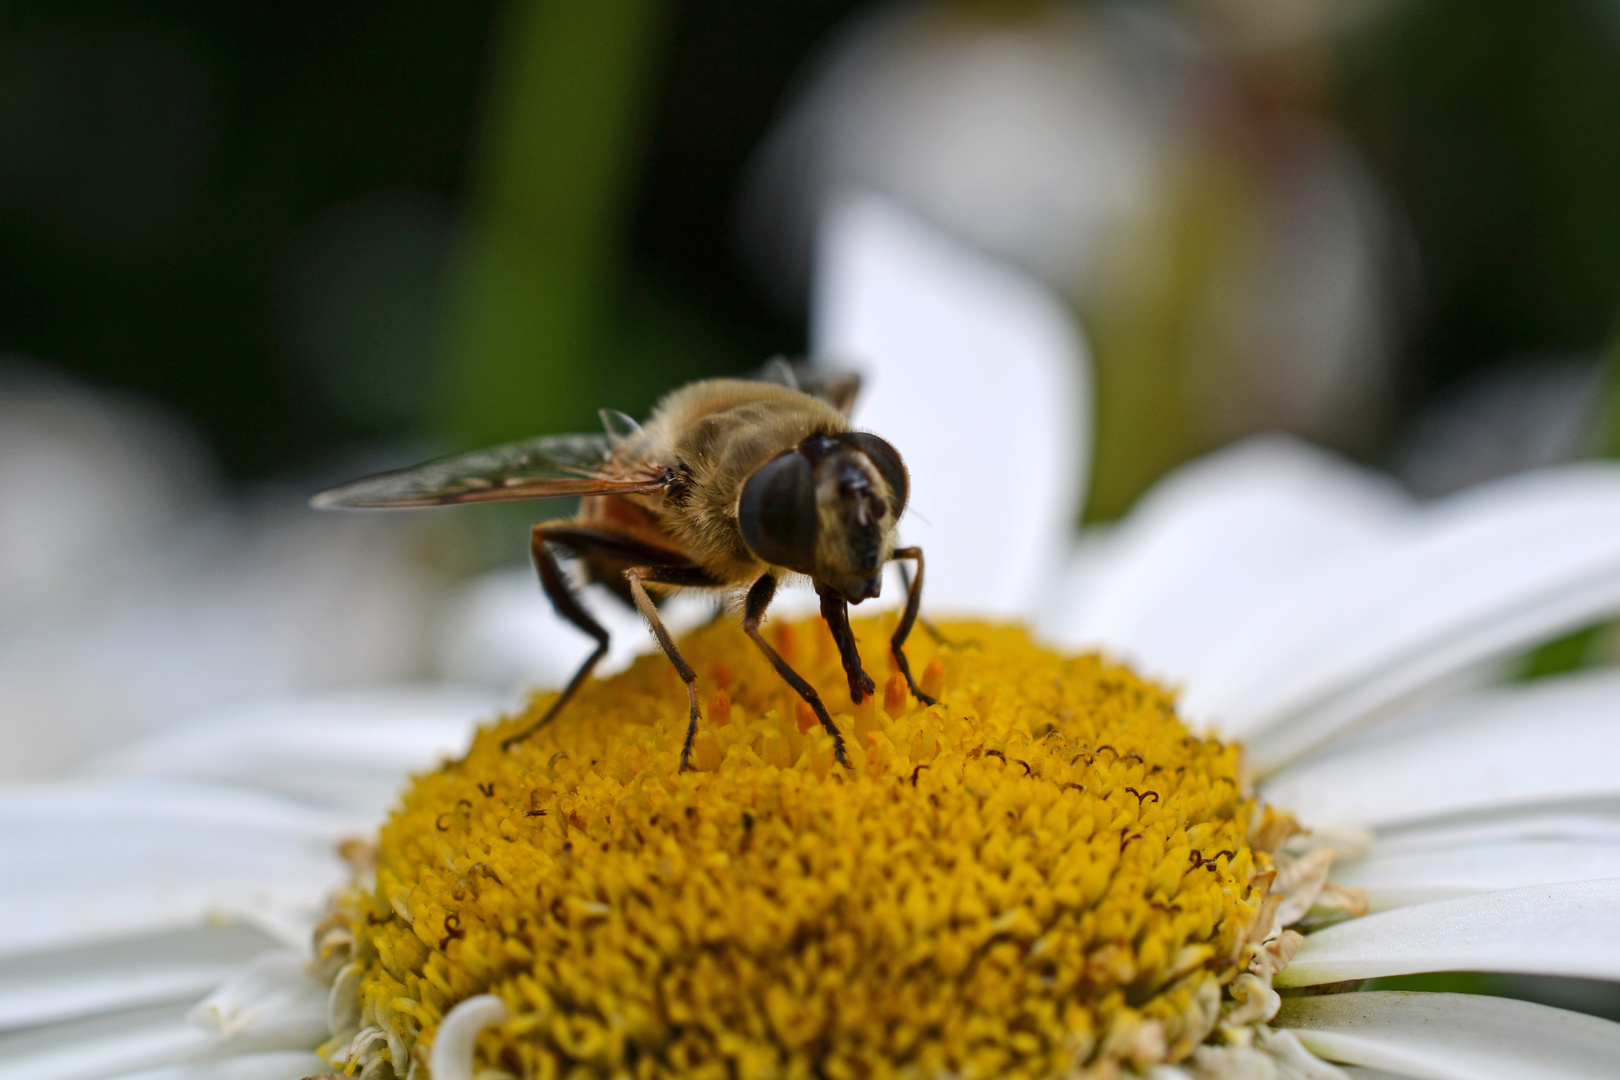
1046 872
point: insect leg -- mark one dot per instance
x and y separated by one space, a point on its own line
901 632
635 575
922 620
759 598
567 605
836 613
604 551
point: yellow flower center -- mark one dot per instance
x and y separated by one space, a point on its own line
1042 873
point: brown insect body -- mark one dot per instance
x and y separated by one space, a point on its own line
732 485
716 434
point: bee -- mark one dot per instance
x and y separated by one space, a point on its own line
732 486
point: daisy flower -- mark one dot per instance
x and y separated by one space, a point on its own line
1069 867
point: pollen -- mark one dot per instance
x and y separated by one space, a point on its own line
1044 874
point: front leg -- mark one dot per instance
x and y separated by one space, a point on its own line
759 598
835 611
901 632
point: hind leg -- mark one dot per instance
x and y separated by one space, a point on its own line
599 548
635 576
565 603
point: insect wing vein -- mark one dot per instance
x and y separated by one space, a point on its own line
548 467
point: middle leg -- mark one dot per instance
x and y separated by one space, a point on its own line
638 592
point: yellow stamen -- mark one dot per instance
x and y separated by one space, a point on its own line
1042 873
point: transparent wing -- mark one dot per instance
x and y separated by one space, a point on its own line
548 467
837 388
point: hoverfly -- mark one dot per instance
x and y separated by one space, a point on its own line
732 485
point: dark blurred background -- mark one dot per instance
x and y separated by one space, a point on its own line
287 223
249 212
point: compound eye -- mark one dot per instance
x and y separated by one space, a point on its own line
777 512
888 464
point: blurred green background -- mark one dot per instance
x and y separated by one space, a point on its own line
309 227
302 225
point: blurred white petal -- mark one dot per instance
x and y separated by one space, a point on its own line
71 982
1455 1036
1218 544
273 1065
1476 577
96 860
1571 929
103 1046
1066 139
143 1044
270 1004
1545 742
273 1003
227 608
979 377
346 751
500 630
1035 138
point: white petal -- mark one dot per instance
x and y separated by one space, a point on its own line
1455 1036
979 377
499 630
64 984
1545 742
227 608
348 751
453 1044
1464 661
275 1065
142 1044
1419 877
1216 544
1591 826
1294 1061
1571 928
48 1000
97 860
102 1046
274 1003
1545 543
